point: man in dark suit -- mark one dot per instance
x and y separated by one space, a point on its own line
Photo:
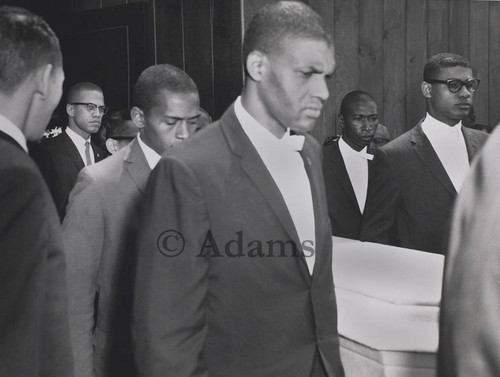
234 272
416 177
469 339
101 222
60 159
34 332
346 163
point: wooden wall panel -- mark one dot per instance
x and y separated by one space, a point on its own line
416 54
198 52
479 53
438 30
459 27
371 51
169 32
494 63
227 42
346 36
326 124
394 78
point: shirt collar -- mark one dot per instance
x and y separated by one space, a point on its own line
13 131
346 148
151 156
261 137
76 138
432 126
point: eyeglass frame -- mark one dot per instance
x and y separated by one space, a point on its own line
448 83
102 109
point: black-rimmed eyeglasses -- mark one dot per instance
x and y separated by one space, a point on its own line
91 107
455 85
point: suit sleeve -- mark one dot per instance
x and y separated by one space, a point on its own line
83 230
34 337
470 310
169 327
381 203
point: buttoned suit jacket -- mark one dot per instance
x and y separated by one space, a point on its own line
34 335
99 233
343 207
60 163
469 341
410 195
199 308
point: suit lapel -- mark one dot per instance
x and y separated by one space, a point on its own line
11 140
338 167
256 171
312 163
423 148
472 143
71 150
137 166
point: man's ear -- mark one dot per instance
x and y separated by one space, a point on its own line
137 116
112 145
42 79
70 110
426 89
341 121
255 65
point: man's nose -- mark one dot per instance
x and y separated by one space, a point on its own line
321 89
182 132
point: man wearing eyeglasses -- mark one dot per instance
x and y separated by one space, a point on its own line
102 220
417 176
60 159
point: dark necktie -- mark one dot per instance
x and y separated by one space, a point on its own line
87 153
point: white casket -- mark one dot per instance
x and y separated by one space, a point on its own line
388 309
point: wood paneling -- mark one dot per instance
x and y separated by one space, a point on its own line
479 53
394 78
494 63
381 47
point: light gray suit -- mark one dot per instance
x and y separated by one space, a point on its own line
98 233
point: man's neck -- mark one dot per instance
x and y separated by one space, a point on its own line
447 121
354 146
257 110
73 127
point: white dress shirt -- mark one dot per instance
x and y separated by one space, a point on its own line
449 144
9 128
356 164
283 161
151 156
80 145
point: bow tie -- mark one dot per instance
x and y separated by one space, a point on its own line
292 142
365 155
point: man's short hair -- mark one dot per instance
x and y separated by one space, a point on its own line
26 43
153 80
79 87
352 97
282 20
116 125
437 62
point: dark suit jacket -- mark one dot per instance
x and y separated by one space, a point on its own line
208 311
469 340
410 195
99 233
343 207
60 163
34 331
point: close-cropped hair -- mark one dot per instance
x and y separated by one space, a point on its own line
26 43
437 62
280 21
352 97
76 89
153 80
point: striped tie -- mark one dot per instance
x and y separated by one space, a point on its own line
87 153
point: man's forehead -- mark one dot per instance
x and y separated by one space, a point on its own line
313 52
87 95
362 106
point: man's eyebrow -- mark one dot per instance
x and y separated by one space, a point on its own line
179 118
